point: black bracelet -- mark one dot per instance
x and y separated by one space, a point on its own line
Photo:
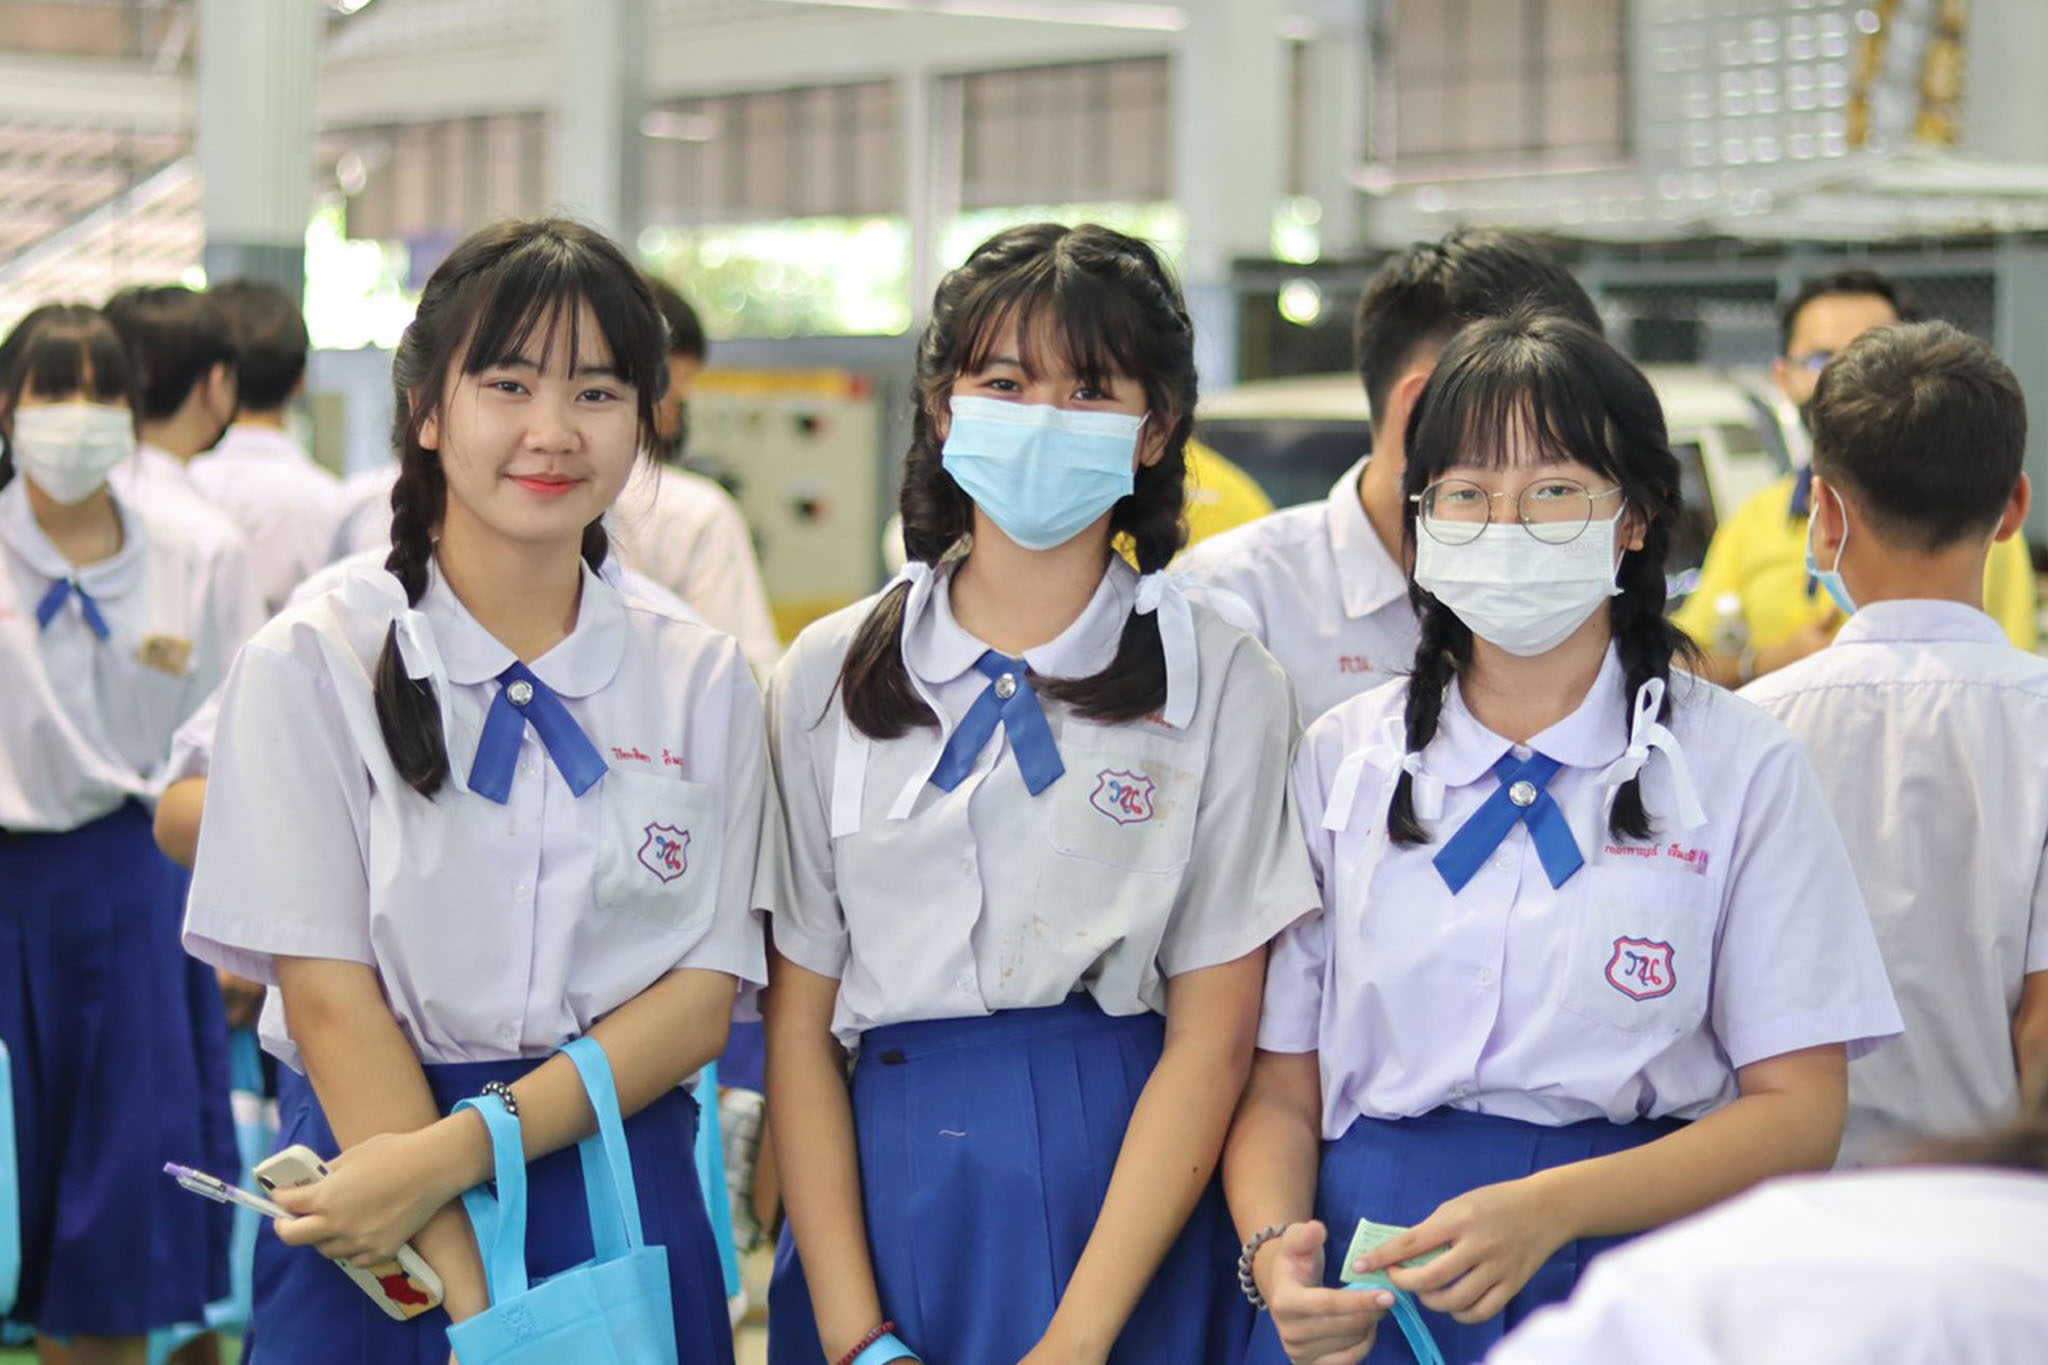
505 1096
1244 1263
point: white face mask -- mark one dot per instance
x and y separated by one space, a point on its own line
67 449
1513 590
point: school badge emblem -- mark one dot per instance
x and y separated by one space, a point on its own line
665 851
1641 968
1124 797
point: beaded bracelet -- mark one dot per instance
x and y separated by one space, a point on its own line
875 1334
884 1349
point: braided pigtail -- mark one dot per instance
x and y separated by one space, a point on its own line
1445 648
408 712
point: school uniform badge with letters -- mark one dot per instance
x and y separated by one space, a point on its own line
1125 797
665 851
1641 968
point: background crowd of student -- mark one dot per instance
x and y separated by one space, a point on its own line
1123 935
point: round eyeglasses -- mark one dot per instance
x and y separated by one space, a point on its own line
1555 511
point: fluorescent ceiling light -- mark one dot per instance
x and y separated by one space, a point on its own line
1096 13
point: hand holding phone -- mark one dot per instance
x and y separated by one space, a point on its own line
403 1287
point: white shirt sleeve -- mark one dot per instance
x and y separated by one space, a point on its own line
2036 957
1797 964
722 580
736 941
1249 875
282 847
1290 1016
808 926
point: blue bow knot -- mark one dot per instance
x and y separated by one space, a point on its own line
1520 799
1009 699
53 602
522 699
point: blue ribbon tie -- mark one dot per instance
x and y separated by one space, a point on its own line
1467 851
1009 698
524 698
53 602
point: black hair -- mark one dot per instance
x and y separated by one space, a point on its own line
1422 295
1116 311
56 351
175 337
1926 428
270 341
1574 397
503 286
1855 281
685 331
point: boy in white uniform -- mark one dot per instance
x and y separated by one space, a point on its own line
284 503
1926 725
1327 582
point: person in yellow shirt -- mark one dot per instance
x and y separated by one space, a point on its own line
1756 608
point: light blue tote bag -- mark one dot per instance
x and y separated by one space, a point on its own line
10 1190
614 1309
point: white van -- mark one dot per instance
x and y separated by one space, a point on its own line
1731 432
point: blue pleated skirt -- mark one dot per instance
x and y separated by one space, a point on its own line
308 1313
110 1026
1399 1170
986 1148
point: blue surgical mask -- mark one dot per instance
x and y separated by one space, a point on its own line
1042 474
1831 579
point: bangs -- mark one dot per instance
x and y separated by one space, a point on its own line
1050 296
539 292
69 352
1501 399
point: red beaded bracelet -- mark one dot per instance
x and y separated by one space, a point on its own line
880 1331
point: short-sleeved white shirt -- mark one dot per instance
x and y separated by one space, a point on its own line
86 723
1920 1266
1930 735
497 931
1748 935
1326 597
363 514
986 898
161 484
284 504
686 533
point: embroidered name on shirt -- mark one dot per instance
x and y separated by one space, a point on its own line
1353 663
671 760
1694 859
1641 968
1124 797
629 755
665 851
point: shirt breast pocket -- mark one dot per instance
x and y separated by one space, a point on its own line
1639 955
1127 800
659 850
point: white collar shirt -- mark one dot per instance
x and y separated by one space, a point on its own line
1930 735
1159 851
496 931
88 721
283 503
1920 1266
160 483
1637 989
686 533
1324 595
362 520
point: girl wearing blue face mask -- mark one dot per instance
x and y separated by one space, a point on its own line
1032 870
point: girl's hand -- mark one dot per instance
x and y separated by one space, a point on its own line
1498 1237
377 1196
1317 1326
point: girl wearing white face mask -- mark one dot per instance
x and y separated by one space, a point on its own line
1591 953
1039 837
114 626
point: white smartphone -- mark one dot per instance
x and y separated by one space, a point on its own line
404 1287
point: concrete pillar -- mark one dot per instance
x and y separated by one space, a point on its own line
925 200
1230 102
258 61
599 99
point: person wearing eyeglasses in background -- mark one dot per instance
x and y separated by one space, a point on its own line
1756 608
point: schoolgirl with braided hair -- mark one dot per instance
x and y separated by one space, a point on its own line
480 801
1592 954
1040 835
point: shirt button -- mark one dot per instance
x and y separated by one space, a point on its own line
508 1033
966 983
521 891
1459 1092
1486 976
1523 793
1006 687
520 693
526 766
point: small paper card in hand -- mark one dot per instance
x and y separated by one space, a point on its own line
1369 1237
